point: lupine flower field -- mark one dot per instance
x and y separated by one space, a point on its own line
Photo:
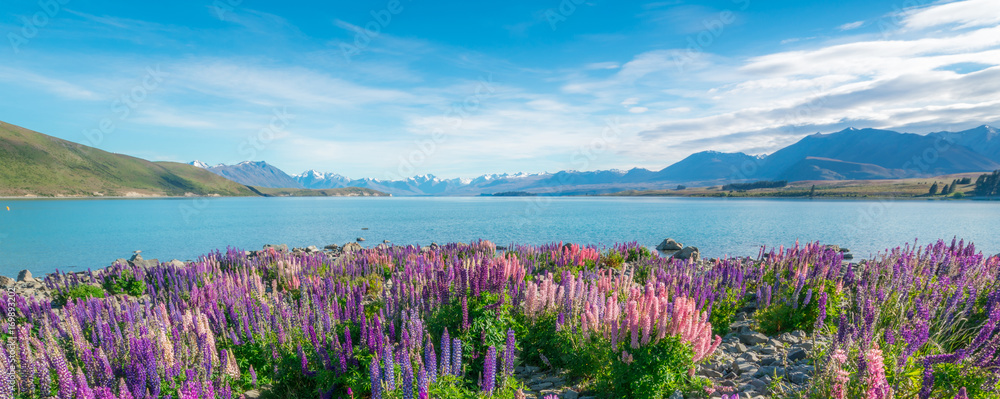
455 321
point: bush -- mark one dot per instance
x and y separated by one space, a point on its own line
950 378
723 311
124 284
790 314
80 291
563 349
651 372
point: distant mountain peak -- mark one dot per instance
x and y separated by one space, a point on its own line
199 164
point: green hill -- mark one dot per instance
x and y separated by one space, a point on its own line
32 163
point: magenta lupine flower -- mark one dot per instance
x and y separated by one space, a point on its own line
878 387
490 370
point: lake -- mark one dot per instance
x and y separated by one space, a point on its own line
42 235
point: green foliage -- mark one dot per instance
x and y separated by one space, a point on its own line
613 260
124 284
655 372
581 358
80 291
949 378
488 325
723 311
787 313
635 254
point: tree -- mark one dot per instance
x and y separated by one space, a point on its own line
934 189
812 191
946 190
681 187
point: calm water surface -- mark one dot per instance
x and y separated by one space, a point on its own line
42 235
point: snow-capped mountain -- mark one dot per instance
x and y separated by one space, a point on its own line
199 164
850 154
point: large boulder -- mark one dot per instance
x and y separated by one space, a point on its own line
688 253
6 282
670 245
25 275
352 247
332 247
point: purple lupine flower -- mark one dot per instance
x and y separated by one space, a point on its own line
456 357
423 382
465 313
389 374
253 376
376 380
508 353
407 376
822 312
490 370
445 353
809 295
962 394
430 360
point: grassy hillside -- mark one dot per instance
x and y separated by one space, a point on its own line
896 188
32 163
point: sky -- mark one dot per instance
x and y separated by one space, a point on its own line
396 88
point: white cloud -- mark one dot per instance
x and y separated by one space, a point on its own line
851 25
961 14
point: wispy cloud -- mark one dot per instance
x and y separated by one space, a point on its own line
851 25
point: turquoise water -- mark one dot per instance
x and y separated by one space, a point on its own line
42 235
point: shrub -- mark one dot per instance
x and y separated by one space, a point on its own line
124 284
80 291
651 372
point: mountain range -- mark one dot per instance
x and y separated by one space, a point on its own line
850 154
35 164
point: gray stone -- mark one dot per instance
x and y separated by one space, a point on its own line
176 263
798 377
670 245
570 394
677 395
688 253
332 247
279 247
834 248
352 247
541 385
758 385
359 239
769 371
753 338
764 349
742 367
6 281
312 248
796 354
709 373
25 275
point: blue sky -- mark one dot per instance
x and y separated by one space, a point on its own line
389 89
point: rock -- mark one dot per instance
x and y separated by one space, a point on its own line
6 281
332 247
842 249
382 247
670 245
364 228
753 338
676 395
176 263
848 256
312 248
796 354
25 275
279 247
758 385
688 253
709 373
386 241
352 247
359 239
834 248
798 377
570 394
